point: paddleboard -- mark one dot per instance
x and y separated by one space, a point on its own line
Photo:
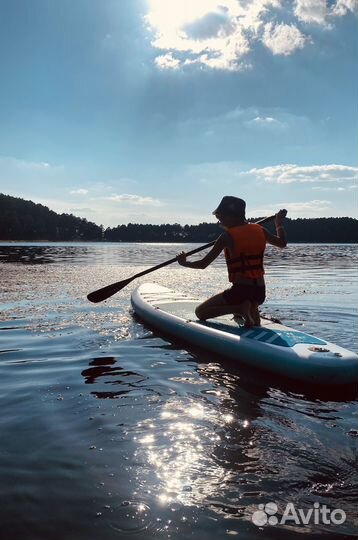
272 347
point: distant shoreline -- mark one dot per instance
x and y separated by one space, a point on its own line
24 221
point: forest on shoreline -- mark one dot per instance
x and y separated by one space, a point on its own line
22 220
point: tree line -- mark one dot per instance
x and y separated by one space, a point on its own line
25 220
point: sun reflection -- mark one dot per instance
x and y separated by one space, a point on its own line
181 451
167 414
164 499
197 411
148 439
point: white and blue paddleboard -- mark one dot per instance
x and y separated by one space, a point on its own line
272 346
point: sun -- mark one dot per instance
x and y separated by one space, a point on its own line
188 32
172 15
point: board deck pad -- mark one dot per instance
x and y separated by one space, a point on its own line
282 338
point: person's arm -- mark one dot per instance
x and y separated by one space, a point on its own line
278 240
215 251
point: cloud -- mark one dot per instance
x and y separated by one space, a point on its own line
335 188
239 122
288 173
167 61
212 33
21 164
312 208
299 209
221 34
82 210
318 12
134 199
229 58
311 11
265 122
80 191
209 26
342 7
253 116
283 39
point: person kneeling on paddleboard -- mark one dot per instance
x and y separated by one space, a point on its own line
244 247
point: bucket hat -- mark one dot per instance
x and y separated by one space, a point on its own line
231 206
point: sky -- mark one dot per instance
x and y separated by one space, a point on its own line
150 111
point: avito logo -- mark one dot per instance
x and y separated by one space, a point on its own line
318 514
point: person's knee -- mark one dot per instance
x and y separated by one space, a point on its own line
200 313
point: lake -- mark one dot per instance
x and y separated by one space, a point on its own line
110 431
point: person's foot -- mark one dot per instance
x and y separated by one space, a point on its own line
249 321
239 319
255 315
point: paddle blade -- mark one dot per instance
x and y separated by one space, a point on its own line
106 292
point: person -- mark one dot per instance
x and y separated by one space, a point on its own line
244 246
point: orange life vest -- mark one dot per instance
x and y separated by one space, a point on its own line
247 253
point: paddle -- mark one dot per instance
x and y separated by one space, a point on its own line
110 290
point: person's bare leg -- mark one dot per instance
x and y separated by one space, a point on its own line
213 307
249 319
255 314
217 305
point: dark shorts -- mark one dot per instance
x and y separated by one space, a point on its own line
239 293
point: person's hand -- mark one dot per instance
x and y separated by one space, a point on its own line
181 258
280 216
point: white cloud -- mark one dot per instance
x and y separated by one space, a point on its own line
134 199
334 188
229 57
265 122
299 209
212 33
342 7
289 173
251 119
167 61
327 188
307 208
283 39
311 11
82 210
79 191
220 34
9 162
265 117
318 12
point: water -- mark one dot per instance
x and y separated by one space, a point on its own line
109 431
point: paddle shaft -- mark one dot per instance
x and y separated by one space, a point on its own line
110 290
